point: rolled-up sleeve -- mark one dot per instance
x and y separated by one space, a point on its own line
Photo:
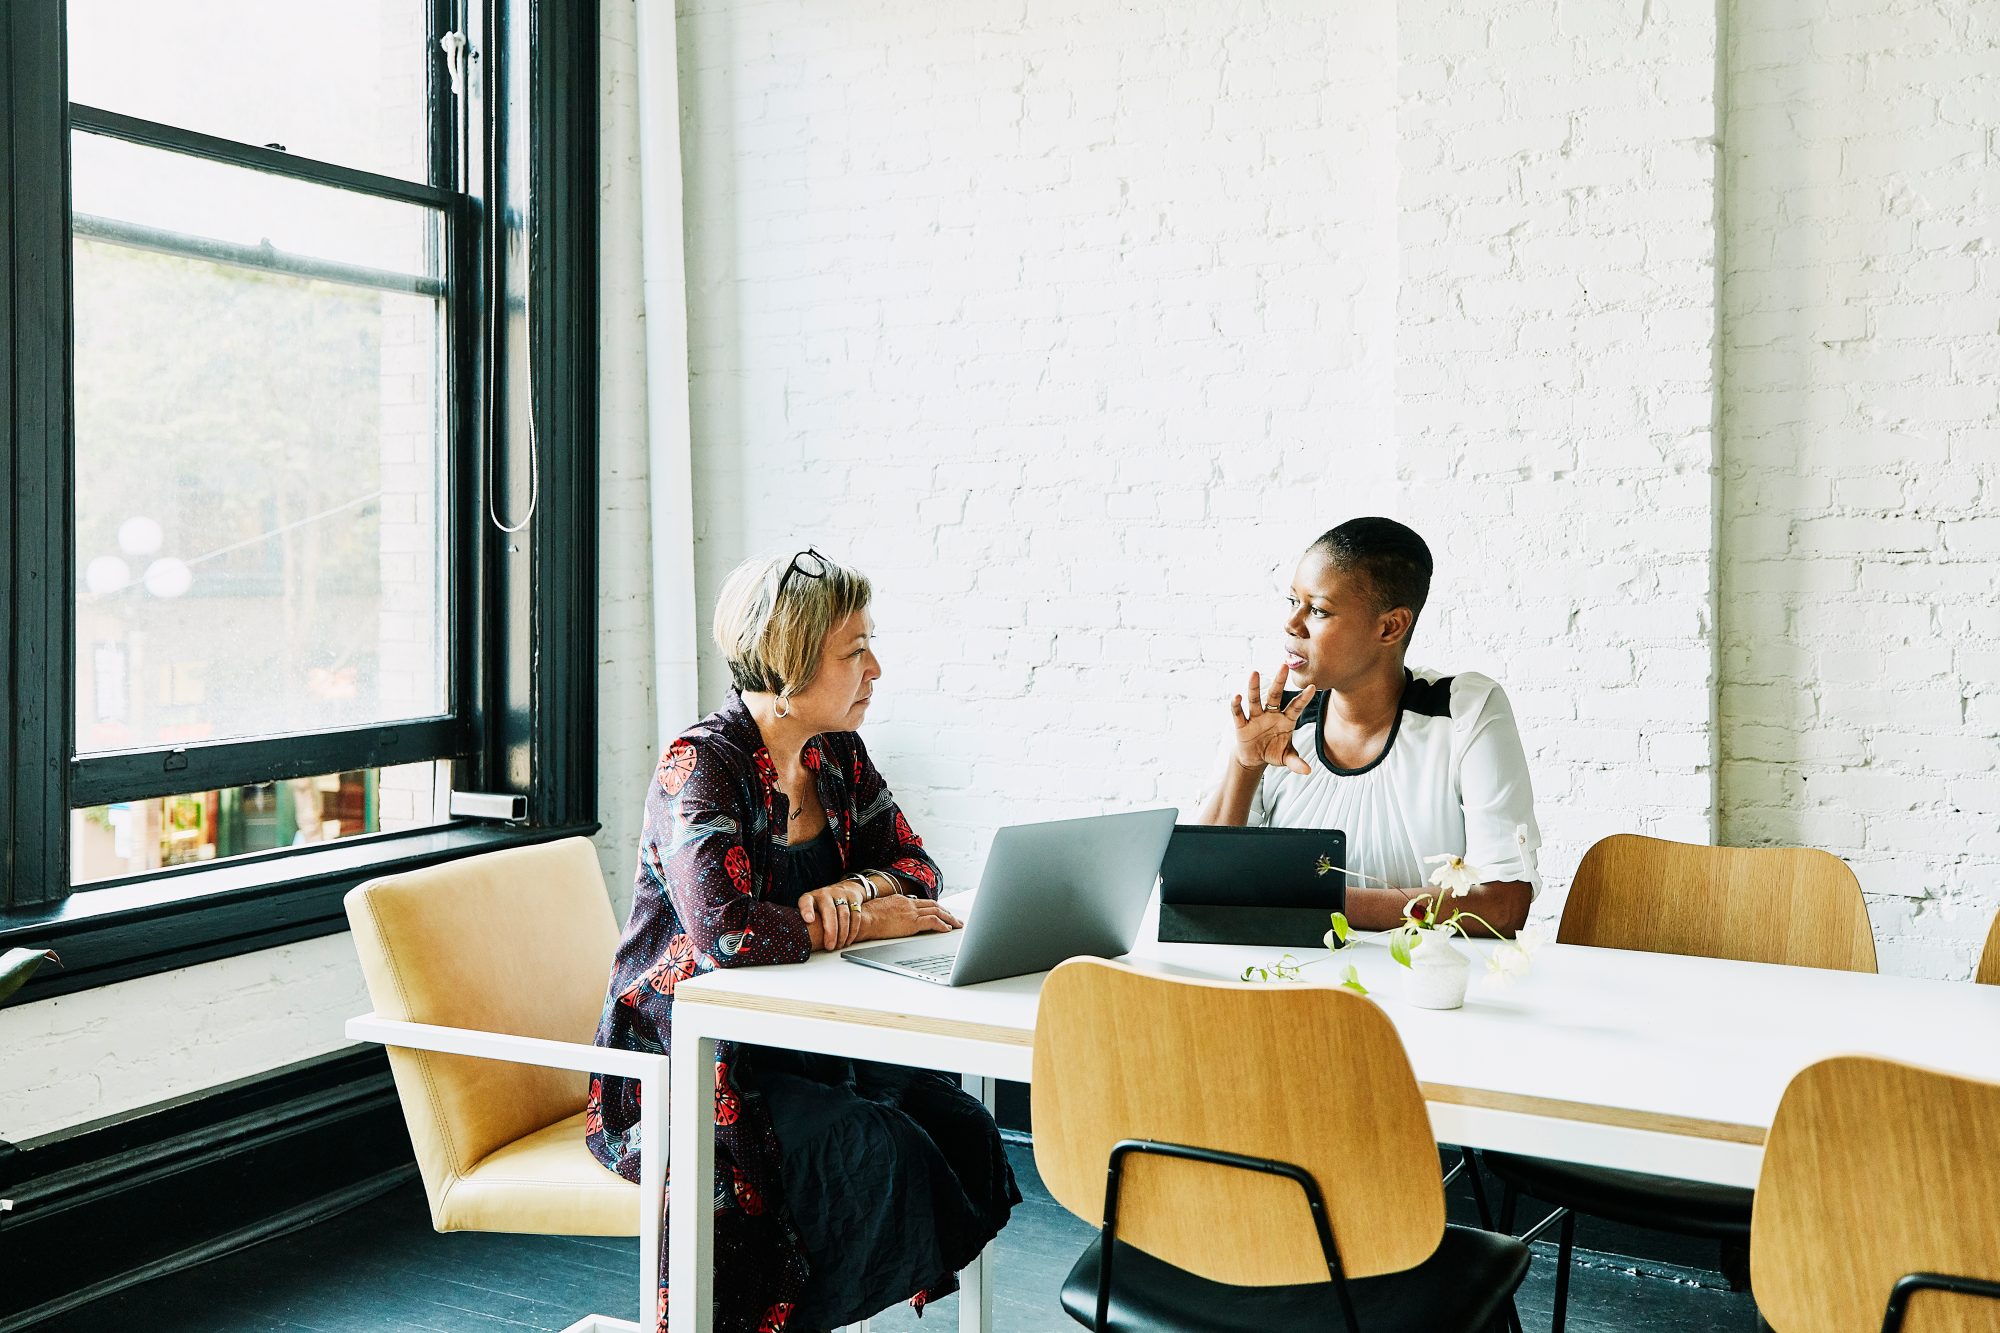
1501 835
883 838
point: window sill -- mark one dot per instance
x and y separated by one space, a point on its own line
137 928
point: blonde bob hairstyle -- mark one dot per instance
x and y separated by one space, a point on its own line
773 642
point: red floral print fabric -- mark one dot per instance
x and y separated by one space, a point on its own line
705 865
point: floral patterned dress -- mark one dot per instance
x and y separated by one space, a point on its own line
708 895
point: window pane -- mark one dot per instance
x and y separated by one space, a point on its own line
133 837
343 83
235 207
261 543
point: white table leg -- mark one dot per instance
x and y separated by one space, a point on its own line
654 1094
691 1218
975 1282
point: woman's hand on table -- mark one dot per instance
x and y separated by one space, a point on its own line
833 914
896 915
1263 737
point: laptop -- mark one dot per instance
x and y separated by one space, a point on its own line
1259 886
1068 889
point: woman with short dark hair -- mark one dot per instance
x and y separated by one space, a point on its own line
1407 763
842 1186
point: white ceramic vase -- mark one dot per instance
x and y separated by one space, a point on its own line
1438 972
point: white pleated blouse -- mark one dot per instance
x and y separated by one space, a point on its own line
1452 778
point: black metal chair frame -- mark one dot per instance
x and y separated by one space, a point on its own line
1315 1201
1565 1246
1470 1168
1910 1284
1562 1214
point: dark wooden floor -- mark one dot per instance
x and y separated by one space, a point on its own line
380 1267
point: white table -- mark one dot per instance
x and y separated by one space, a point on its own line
1647 1062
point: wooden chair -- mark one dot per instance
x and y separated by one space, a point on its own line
1792 905
1269 1159
1878 1205
487 975
1989 961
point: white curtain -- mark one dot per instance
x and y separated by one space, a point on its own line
669 447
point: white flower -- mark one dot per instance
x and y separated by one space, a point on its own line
1410 910
1452 875
1508 962
1512 959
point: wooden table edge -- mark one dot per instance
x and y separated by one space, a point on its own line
928 1024
1615 1117
1549 1108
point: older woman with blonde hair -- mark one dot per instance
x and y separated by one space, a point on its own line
842 1186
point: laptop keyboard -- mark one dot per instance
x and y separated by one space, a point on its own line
933 965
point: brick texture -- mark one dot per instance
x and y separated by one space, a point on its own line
1553 378
1861 350
1071 328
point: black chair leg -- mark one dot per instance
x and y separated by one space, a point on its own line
1564 1250
1735 1264
1471 1160
1510 1199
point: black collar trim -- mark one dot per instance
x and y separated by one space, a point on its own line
1426 698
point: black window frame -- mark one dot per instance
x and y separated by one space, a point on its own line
524 618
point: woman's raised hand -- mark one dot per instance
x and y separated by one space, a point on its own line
898 914
1264 736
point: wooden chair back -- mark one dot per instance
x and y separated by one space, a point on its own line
1792 905
1875 1169
1989 961
1309 1075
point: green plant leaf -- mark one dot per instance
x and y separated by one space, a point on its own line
1400 941
1284 968
17 965
1352 981
1341 930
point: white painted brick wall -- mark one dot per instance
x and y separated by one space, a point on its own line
1554 389
1860 684
1071 327
992 309
101 1052
74 1059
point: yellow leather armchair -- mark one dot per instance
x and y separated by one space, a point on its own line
487 975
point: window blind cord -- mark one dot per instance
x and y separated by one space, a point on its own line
455 46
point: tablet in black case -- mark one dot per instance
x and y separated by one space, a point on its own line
1258 886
